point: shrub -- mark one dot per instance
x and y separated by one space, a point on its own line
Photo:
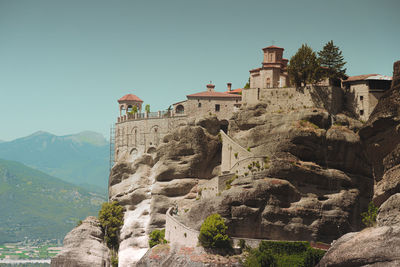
236 155
114 260
111 217
79 223
257 258
242 244
369 217
249 149
313 256
282 253
213 233
228 183
157 237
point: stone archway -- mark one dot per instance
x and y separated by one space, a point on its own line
151 150
223 125
180 109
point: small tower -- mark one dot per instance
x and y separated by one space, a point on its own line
210 87
127 102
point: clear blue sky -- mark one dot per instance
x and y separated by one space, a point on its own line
64 64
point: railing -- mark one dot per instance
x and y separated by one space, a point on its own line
149 115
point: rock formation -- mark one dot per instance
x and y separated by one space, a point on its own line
165 255
83 247
314 184
147 185
380 245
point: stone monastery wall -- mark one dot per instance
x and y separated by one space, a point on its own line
282 99
143 135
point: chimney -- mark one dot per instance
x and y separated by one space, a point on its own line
229 86
210 87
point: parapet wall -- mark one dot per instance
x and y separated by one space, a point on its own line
217 184
283 99
232 153
178 233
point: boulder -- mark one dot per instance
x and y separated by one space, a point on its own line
83 247
375 246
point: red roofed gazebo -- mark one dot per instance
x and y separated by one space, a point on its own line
127 102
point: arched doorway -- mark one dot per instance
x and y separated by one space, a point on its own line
223 125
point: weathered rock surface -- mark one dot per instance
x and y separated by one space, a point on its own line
147 185
164 255
314 185
380 245
83 247
377 247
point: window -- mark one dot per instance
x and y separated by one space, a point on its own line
361 112
217 107
199 105
361 98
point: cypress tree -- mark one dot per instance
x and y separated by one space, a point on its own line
331 58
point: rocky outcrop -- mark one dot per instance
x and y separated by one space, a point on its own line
165 255
83 247
147 185
313 185
380 245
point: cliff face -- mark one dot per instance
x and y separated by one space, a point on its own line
83 247
380 245
149 184
315 181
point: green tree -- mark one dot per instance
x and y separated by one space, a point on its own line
147 108
111 217
157 237
213 233
331 59
134 110
247 85
304 67
369 217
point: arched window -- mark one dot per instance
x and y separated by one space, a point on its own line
180 109
129 109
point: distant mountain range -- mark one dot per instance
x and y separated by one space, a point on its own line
35 205
81 159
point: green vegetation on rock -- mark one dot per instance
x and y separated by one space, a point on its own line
213 233
111 217
283 253
369 217
157 237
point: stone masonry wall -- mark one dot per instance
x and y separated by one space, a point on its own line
143 135
178 233
232 152
207 107
283 99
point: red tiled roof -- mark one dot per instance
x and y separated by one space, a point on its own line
273 47
358 77
236 91
214 95
130 97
